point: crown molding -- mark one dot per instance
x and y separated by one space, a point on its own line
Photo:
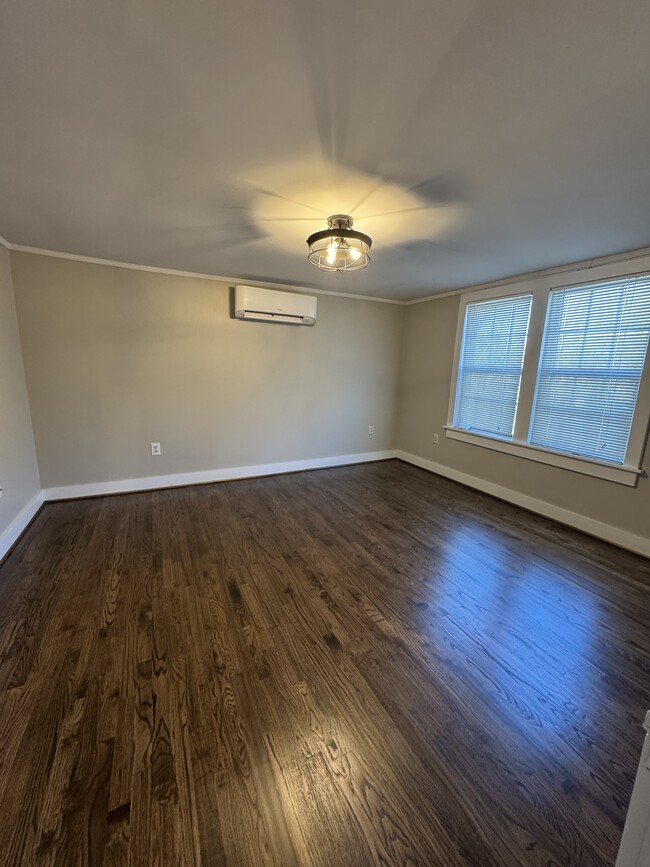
584 265
437 296
92 260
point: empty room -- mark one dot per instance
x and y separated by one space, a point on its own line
324 403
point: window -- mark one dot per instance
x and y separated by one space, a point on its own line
594 348
558 375
491 361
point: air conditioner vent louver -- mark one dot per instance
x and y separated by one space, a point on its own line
271 305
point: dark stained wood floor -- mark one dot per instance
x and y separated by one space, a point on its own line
356 666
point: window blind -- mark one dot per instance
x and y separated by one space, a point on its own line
593 352
491 360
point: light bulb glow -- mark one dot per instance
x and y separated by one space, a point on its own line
339 247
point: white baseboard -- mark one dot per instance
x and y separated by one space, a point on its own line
97 489
12 533
622 538
638 544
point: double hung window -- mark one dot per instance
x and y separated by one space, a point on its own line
557 372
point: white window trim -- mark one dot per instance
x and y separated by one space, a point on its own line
540 287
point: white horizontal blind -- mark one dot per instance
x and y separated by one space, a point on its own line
594 348
491 359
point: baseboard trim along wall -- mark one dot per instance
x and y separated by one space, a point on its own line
148 483
23 519
630 541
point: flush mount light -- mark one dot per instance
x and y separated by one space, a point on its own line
339 248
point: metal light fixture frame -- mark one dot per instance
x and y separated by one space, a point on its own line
346 238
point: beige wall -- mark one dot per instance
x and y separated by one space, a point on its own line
18 467
117 358
428 349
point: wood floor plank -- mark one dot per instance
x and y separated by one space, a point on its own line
357 666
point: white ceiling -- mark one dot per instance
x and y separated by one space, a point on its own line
215 136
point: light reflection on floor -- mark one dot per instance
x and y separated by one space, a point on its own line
542 623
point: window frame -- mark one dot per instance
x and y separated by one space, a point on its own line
540 288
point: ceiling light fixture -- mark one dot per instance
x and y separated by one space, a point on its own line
339 248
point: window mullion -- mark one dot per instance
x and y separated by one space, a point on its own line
532 356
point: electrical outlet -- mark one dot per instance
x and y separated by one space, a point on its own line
435 439
371 429
155 449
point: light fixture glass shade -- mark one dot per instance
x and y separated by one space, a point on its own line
339 248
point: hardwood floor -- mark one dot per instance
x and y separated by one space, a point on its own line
356 666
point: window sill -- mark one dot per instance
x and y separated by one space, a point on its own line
623 475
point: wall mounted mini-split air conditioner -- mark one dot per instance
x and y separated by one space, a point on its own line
271 305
